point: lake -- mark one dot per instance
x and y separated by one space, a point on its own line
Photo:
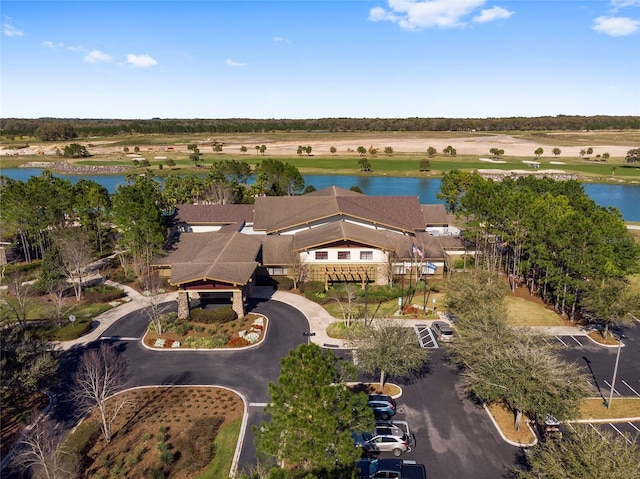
624 197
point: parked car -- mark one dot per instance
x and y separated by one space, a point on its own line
391 468
383 406
375 443
443 331
395 428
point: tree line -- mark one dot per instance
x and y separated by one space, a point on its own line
67 128
548 236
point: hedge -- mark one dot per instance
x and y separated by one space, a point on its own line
213 316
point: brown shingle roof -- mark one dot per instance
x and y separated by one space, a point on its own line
345 231
333 191
225 257
434 214
214 214
277 249
279 213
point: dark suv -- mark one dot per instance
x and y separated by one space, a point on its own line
383 406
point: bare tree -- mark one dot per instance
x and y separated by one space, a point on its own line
346 297
76 253
298 270
58 295
20 290
101 375
151 291
41 450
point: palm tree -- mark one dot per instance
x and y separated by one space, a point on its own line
538 152
556 151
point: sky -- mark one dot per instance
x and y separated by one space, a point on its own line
305 59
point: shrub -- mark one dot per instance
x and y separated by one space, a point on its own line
219 341
283 283
311 287
218 316
155 474
67 332
102 294
183 328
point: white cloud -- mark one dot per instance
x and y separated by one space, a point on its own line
10 31
141 61
418 14
491 14
617 4
280 40
616 26
234 63
51 45
96 56
76 49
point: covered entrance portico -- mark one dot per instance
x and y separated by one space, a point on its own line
235 294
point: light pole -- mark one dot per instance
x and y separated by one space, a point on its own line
615 371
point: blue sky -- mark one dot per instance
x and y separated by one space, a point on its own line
318 59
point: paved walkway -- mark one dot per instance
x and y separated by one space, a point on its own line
318 318
106 319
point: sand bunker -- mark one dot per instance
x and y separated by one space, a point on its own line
489 160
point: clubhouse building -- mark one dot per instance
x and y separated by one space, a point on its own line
331 235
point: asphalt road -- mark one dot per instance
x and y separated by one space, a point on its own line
454 436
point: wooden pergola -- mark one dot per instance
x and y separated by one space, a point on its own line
348 274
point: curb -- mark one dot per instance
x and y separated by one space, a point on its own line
243 348
505 438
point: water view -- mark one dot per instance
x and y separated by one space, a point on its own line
624 197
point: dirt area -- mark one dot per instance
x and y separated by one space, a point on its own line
472 145
167 416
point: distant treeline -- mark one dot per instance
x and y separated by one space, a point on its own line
68 128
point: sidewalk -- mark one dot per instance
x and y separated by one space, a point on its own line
107 318
319 319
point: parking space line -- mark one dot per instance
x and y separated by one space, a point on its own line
614 389
576 340
564 344
634 426
634 391
598 431
620 432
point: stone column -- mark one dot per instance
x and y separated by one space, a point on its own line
183 305
238 304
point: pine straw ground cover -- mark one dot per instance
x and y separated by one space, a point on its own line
165 432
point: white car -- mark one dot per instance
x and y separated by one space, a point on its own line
371 443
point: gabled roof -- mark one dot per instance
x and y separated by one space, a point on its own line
333 191
435 214
345 231
274 214
224 257
277 249
213 214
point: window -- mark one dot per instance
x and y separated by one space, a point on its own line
277 271
344 255
366 255
322 255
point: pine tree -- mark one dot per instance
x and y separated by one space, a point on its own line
313 414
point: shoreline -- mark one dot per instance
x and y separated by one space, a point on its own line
65 168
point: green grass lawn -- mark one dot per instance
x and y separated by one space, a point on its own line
225 447
594 408
527 313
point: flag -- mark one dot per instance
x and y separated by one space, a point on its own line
431 267
416 251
